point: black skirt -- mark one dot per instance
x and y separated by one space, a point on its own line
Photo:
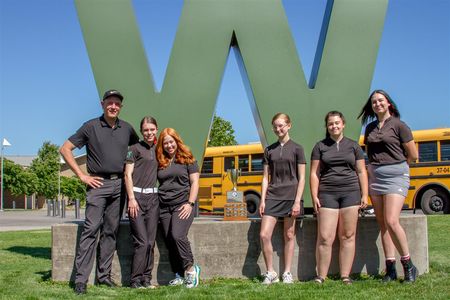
278 208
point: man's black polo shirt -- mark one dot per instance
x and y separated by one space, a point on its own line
106 147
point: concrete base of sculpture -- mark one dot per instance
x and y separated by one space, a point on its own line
232 249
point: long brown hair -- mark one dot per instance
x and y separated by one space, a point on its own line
183 154
367 114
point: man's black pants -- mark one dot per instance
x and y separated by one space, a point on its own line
102 214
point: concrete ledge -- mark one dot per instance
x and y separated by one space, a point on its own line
232 249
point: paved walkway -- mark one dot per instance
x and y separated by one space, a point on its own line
11 220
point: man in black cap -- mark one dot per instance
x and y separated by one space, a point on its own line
106 139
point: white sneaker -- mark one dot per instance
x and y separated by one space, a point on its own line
270 277
287 277
192 278
178 280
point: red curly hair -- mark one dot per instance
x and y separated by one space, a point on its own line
183 154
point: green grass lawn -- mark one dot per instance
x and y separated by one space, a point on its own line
25 273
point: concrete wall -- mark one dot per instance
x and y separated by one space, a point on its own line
232 249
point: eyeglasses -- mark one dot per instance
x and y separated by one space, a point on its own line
277 127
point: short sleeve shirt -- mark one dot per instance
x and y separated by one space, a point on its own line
174 183
106 147
384 145
143 156
283 161
338 164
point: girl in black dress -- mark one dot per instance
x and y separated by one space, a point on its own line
282 190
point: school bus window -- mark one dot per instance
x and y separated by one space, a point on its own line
229 163
207 167
257 162
427 151
243 163
445 150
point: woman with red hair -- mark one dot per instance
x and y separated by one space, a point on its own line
178 177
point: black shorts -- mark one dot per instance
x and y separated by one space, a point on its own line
278 208
338 200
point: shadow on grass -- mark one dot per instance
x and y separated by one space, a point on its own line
45 275
38 252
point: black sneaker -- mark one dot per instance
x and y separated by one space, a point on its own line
410 271
391 272
108 282
80 288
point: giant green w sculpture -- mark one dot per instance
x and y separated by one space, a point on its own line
269 64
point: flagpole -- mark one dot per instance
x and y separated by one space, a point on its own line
5 143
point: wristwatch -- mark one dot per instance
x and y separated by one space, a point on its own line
191 203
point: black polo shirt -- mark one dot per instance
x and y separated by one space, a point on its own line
143 156
174 183
338 164
283 164
384 145
106 147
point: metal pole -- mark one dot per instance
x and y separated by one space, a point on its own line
59 185
196 209
58 207
63 208
77 208
1 192
53 208
48 208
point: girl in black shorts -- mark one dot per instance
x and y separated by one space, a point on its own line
282 189
338 184
390 148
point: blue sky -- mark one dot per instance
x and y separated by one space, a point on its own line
47 88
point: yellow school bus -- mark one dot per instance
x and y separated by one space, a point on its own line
429 187
215 183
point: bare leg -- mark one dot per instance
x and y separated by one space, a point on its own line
289 242
393 204
267 225
348 220
327 220
388 245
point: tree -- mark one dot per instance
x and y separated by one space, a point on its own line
46 167
73 188
222 133
19 181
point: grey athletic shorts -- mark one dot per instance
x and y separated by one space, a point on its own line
389 179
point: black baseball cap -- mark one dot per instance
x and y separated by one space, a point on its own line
110 93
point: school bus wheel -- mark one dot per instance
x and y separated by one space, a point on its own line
252 201
434 201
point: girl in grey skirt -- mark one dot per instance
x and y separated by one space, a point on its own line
390 149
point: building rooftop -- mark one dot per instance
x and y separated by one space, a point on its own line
22 160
